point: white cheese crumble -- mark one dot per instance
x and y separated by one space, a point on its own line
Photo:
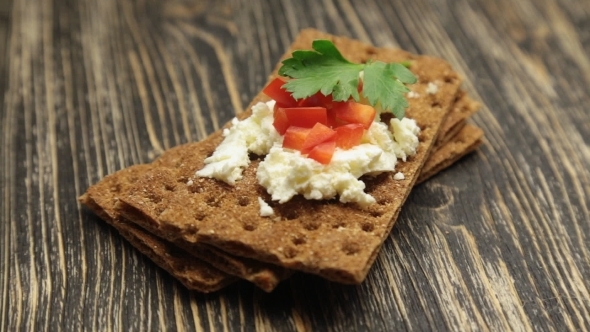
255 134
265 209
413 94
285 172
399 176
432 88
405 134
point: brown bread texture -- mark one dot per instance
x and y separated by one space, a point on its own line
101 199
466 141
264 275
192 272
334 240
463 108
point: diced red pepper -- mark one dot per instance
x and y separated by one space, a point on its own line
352 112
306 117
333 121
349 136
295 137
318 134
280 122
323 152
275 91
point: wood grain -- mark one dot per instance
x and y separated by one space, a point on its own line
501 241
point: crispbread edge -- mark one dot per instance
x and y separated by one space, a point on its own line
193 273
466 141
101 198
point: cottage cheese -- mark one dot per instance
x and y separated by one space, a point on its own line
255 134
432 88
285 172
265 209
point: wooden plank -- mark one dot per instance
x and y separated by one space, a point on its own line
5 144
498 242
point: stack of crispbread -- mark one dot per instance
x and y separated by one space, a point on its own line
208 234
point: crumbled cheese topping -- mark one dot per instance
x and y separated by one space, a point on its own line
432 88
413 94
255 134
285 172
405 134
265 209
399 176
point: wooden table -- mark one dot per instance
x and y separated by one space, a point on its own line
501 241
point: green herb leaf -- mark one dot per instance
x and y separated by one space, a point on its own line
383 85
325 69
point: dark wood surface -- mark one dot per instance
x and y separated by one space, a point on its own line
501 241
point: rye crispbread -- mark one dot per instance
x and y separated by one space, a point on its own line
192 272
463 108
102 196
463 143
168 255
434 155
337 241
264 275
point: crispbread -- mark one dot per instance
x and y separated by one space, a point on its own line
265 276
466 141
463 108
337 241
101 199
192 272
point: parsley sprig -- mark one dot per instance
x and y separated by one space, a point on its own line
325 69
